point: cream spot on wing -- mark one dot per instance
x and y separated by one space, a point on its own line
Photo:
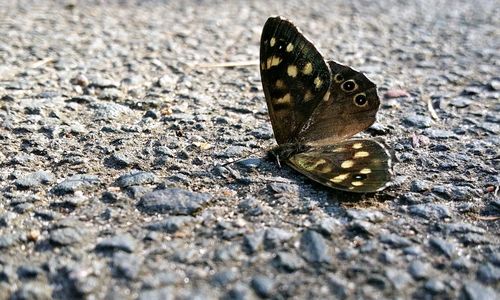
339 149
291 70
357 183
347 164
263 66
308 68
318 82
357 146
360 154
313 165
308 96
326 97
365 171
289 47
273 61
284 100
272 42
339 178
280 84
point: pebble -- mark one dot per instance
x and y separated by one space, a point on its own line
373 216
442 246
488 274
122 242
262 285
164 293
66 236
224 278
34 180
417 121
475 291
429 211
288 262
419 270
435 286
75 183
170 224
126 265
33 290
315 248
394 240
253 242
135 178
274 237
173 201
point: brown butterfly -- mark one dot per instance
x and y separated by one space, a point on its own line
315 106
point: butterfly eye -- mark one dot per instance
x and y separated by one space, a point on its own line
349 86
360 100
338 78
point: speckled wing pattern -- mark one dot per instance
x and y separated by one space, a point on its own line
315 106
357 165
295 77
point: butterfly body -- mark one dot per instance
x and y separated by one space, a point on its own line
315 106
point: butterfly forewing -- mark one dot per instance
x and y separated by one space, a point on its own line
295 77
356 165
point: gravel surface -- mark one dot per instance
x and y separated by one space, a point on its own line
116 127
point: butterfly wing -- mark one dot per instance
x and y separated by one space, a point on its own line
351 108
295 77
355 165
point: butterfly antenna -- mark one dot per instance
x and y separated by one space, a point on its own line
245 157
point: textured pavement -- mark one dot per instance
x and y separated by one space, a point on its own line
116 127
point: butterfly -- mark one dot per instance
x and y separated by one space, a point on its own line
315 106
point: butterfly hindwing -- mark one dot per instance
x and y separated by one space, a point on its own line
351 108
357 165
295 77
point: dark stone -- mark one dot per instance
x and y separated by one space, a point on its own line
435 286
314 248
65 236
33 291
288 262
419 270
135 178
394 240
274 237
473 290
74 183
262 285
417 121
124 242
419 186
442 246
430 211
164 293
126 265
223 278
253 242
474 239
170 224
328 226
29 272
488 274
34 180
173 201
